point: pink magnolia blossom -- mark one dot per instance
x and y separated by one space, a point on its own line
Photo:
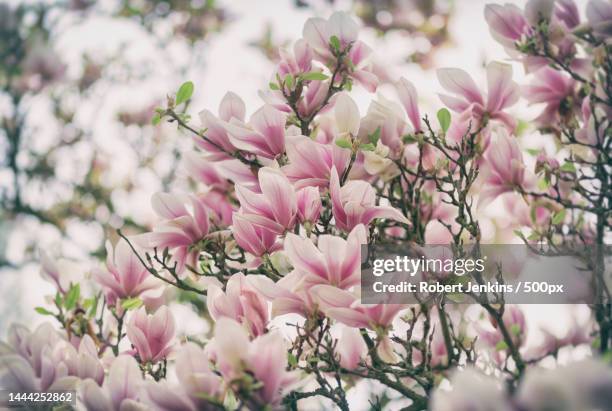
239 302
343 306
504 170
333 261
125 276
318 32
151 335
502 93
219 145
180 229
296 61
50 271
310 162
308 205
599 16
275 208
507 23
409 98
41 361
554 89
264 135
514 320
253 238
289 295
351 347
264 358
355 203
121 390
196 381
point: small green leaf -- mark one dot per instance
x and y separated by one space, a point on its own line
289 81
131 303
344 143
334 42
543 184
409 139
500 346
292 359
156 119
367 147
375 136
72 296
558 217
273 86
42 311
444 118
515 329
184 93
568 167
314 75
534 151
58 299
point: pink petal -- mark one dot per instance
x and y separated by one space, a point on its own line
459 82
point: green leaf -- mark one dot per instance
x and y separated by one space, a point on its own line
500 346
131 303
334 42
568 167
289 81
344 143
367 147
314 75
534 151
184 93
558 217
375 136
515 329
292 359
273 86
72 296
444 118
42 311
156 119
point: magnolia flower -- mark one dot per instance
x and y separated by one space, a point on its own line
295 62
289 295
217 144
502 93
584 385
253 238
355 203
180 229
351 348
333 261
51 272
237 358
505 169
409 98
151 335
556 90
121 390
125 276
385 118
318 33
264 135
310 162
197 382
308 205
41 361
599 15
344 306
240 303
471 391
514 320
275 208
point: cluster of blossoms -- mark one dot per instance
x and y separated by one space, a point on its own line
282 204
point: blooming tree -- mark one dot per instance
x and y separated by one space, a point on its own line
282 203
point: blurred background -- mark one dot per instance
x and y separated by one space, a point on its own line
79 80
